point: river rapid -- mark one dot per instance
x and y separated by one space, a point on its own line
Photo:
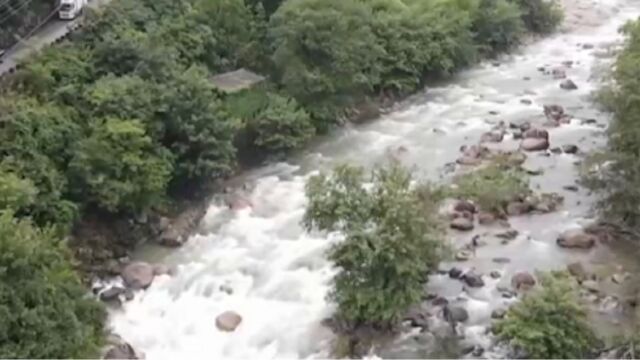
260 263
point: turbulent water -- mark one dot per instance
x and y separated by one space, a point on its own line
261 264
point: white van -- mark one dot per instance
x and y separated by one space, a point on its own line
70 9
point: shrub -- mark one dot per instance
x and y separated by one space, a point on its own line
44 308
497 25
281 126
549 323
118 168
491 187
540 16
392 236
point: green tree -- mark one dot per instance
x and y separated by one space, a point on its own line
118 168
198 131
617 175
325 54
281 126
44 308
549 323
392 236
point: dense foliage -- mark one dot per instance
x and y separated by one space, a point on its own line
123 115
618 172
44 309
549 323
391 237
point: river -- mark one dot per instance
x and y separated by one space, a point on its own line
260 263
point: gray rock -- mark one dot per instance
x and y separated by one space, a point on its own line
568 84
577 239
501 260
498 313
518 208
558 73
534 144
111 293
573 188
418 316
619 278
464 206
121 351
570 149
485 218
138 275
128 294
523 281
455 273
462 224
495 274
577 270
526 101
591 285
463 255
455 314
535 133
587 46
440 301
228 321
473 280
508 235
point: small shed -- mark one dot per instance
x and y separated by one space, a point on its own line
234 81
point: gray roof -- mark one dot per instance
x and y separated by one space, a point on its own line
237 80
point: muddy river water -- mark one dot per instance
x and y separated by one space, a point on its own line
260 263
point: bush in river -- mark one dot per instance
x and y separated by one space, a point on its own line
491 187
391 237
549 323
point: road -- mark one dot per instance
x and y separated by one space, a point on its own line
46 35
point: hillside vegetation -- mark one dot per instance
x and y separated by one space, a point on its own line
122 119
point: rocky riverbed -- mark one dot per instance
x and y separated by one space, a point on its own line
252 284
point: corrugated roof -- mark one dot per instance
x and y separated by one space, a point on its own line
237 80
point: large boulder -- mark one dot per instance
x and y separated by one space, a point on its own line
517 208
464 206
486 218
577 239
462 224
534 144
138 275
228 321
121 351
455 314
473 279
523 281
536 133
568 84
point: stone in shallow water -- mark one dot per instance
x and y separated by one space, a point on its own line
523 281
534 144
228 321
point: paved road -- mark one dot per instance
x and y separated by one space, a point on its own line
46 35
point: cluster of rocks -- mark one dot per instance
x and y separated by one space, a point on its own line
136 275
560 73
465 212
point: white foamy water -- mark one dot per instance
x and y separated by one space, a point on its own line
260 263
